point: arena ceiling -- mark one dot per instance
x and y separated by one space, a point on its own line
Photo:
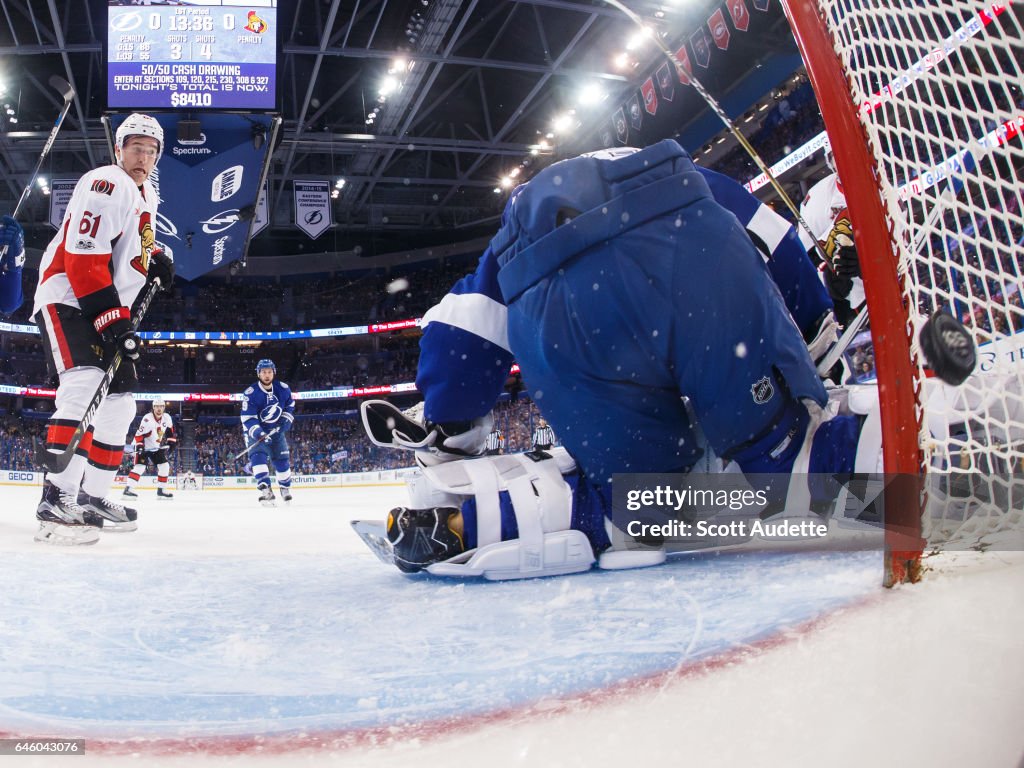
488 77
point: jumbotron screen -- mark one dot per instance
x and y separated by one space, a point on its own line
192 54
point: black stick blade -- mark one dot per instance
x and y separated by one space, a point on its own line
62 85
949 348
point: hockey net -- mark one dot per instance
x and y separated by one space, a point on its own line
923 105
193 482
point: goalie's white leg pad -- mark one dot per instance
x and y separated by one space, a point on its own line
542 503
556 554
621 559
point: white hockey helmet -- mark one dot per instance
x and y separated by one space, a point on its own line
158 403
138 124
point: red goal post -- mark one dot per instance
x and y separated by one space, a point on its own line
923 107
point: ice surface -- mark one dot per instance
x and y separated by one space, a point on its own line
220 621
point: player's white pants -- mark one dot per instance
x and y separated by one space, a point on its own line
99 454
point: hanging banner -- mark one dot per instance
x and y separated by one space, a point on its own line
685 69
606 136
650 97
761 5
738 12
262 217
60 196
664 78
701 46
621 128
207 177
719 29
312 207
636 118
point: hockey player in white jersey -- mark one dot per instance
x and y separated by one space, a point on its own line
153 439
268 412
824 209
91 274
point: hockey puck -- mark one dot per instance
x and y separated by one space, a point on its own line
948 348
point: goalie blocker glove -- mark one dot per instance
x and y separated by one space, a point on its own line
389 427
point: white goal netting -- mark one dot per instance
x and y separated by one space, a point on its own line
938 86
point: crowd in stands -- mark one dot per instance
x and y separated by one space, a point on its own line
325 446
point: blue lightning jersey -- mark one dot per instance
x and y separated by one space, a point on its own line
10 290
465 353
265 409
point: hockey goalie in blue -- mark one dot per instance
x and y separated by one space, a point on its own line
268 412
661 317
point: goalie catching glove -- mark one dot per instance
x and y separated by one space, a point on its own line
389 427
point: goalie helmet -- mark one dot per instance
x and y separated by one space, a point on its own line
137 124
266 362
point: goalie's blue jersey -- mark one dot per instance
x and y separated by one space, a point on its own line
628 288
267 409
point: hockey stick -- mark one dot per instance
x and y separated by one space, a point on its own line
263 439
58 462
68 93
715 107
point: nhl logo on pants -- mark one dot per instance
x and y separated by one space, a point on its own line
762 390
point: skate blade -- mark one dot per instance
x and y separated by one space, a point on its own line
374 534
67 535
165 498
268 503
126 527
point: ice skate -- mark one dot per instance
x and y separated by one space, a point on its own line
163 493
266 495
286 494
128 493
63 521
119 518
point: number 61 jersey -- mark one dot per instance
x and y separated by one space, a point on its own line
100 256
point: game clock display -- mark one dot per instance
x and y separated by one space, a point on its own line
212 54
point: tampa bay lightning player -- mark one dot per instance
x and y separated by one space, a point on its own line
268 412
12 238
628 287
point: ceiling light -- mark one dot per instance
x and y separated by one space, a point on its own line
506 182
561 123
590 94
621 61
638 38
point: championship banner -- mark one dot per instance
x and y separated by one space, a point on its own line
262 213
740 15
719 29
207 182
60 196
312 207
636 118
621 128
685 69
650 97
664 78
701 47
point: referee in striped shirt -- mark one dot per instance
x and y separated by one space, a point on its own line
543 436
495 442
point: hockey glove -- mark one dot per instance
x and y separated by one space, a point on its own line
161 267
389 427
115 325
140 455
256 433
286 424
12 237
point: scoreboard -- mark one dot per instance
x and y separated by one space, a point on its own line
194 54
